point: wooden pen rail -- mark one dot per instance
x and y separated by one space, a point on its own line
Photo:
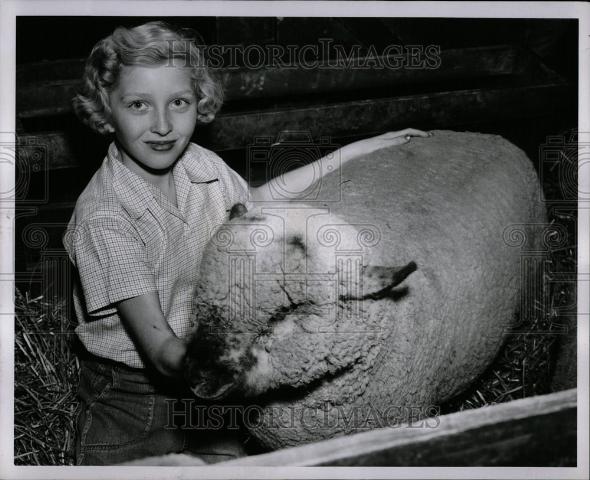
536 431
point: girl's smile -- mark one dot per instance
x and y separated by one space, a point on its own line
153 112
163 146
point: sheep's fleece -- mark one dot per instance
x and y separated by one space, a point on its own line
386 291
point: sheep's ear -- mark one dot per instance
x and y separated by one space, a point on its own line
400 274
237 210
379 282
380 277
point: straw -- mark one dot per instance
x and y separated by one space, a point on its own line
46 378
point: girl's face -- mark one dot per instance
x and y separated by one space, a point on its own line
154 112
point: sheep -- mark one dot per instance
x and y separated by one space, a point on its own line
372 303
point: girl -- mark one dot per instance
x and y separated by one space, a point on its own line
137 235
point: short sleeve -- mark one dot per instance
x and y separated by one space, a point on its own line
236 188
112 263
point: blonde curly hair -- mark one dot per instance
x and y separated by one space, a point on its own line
152 43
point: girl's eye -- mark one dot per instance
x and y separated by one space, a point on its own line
137 105
180 102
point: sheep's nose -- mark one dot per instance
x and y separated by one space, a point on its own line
238 210
212 391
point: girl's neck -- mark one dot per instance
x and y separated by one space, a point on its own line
166 184
164 180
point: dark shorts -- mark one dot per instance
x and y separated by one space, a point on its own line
125 415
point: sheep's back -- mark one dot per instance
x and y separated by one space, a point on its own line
446 203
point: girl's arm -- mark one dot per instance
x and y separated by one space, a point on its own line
143 317
300 179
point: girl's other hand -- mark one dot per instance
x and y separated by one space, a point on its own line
368 145
298 180
171 356
143 317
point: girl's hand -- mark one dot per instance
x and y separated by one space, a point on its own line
368 145
143 317
171 356
298 180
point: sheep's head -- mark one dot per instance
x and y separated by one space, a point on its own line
282 300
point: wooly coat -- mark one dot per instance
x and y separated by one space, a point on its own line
387 292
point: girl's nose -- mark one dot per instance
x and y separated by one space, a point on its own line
162 125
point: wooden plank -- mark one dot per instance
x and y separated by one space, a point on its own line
52 96
245 30
535 431
53 70
365 117
461 65
356 118
56 149
369 31
46 99
298 31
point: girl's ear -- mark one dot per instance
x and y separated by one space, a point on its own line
108 128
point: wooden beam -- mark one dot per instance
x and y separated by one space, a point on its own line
47 88
536 431
355 118
49 70
365 117
55 146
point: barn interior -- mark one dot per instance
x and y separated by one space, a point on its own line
513 77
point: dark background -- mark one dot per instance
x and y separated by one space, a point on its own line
554 40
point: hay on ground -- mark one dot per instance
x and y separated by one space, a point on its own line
45 381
